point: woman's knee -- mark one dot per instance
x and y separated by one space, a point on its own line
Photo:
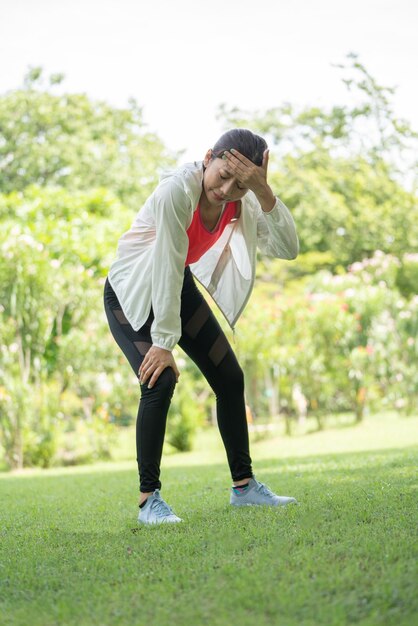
232 377
164 385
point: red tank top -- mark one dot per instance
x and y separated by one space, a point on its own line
200 238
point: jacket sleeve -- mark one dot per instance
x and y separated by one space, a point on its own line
172 215
276 232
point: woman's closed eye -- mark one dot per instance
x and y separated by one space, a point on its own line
227 177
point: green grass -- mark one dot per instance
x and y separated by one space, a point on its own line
71 552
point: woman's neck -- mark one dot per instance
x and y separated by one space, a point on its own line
203 201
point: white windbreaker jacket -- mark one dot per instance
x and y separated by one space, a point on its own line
149 266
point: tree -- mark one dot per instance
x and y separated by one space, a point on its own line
49 137
54 250
347 173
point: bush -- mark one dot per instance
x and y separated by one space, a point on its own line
186 414
348 341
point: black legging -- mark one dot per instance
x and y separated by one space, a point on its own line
205 343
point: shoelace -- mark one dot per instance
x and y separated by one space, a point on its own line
161 508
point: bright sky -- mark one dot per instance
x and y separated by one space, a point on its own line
182 58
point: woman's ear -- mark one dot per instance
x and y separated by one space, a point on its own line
208 157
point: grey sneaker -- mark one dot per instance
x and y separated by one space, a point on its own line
258 493
157 511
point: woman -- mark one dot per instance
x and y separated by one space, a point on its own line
204 219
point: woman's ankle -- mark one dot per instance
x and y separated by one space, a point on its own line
243 481
144 496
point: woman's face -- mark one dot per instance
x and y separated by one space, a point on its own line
219 184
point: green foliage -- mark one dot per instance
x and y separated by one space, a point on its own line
346 207
367 127
65 139
188 409
54 250
348 174
336 329
348 341
406 277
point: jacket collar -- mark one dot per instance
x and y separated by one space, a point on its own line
190 176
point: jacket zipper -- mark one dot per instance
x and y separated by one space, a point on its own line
237 316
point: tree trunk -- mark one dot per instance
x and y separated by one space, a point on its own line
273 399
360 404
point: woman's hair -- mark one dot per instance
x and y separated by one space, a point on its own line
247 143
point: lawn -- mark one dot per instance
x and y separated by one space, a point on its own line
71 552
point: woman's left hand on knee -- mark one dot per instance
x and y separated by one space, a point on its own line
155 362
